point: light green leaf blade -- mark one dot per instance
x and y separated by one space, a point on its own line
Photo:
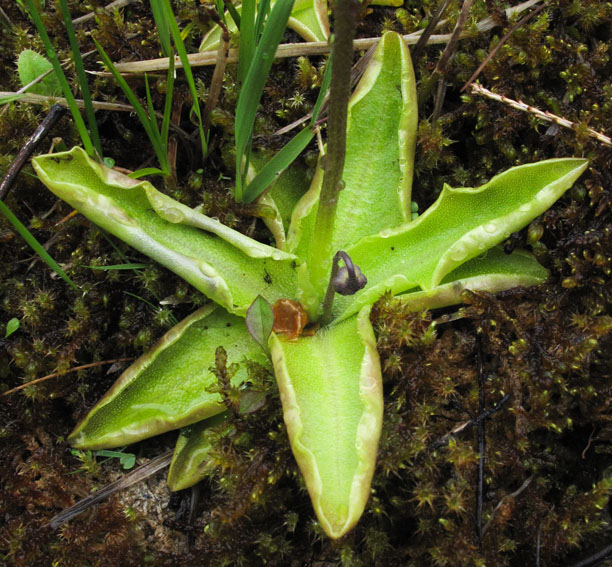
31 65
331 392
227 266
190 461
309 20
168 387
460 225
11 326
381 135
492 272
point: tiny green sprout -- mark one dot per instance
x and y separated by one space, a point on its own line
11 326
329 376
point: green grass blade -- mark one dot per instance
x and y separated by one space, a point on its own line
182 53
262 13
146 121
163 29
59 72
253 86
150 108
283 159
146 171
118 267
168 104
233 13
246 47
12 97
82 77
35 245
322 92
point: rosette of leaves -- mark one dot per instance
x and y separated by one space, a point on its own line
330 381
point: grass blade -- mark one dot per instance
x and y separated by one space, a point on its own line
83 85
253 86
59 72
150 108
163 29
262 13
118 267
35 245
322 92
182 53
246 47
168 104
233 13
146 121
283 159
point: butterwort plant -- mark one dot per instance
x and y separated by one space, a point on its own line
329 376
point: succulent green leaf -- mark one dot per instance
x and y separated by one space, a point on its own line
227 266
460 225
190 461
331 391
308 19
381 137
493 272
170 386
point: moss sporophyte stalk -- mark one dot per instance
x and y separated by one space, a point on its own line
329 379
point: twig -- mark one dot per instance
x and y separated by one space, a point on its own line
543 115
501 42
510 496
481 448
55 113
216 82
431 26
44 99
308 48
445 58
596 558
56 374
136 476
469 423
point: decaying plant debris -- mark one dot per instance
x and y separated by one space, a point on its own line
542 354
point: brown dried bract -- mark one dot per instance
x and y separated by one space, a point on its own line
289 318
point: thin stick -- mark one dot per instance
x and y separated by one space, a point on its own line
310 48
429 84
510 496
55 113
431 26
481 448
596 558
56 374
503 40
214 91
467 424
44 99
136 476
543 115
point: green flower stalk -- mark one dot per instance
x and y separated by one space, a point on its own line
330 382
